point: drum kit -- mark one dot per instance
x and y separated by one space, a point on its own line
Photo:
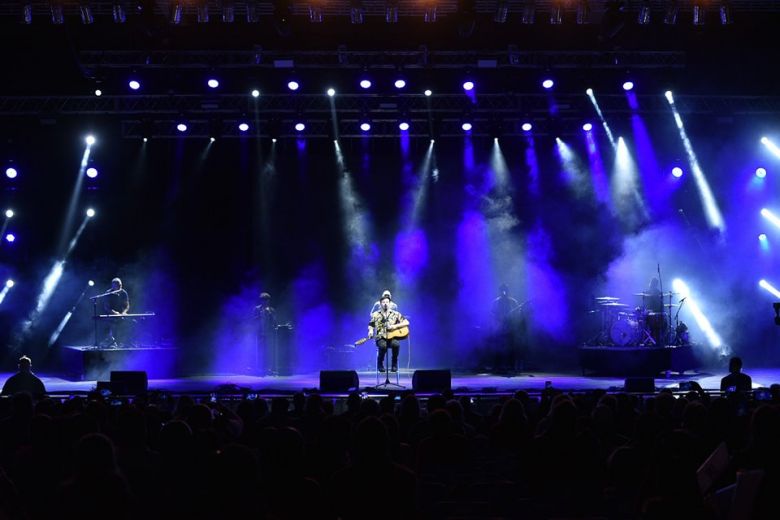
647 325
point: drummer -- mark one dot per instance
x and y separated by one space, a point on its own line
654 299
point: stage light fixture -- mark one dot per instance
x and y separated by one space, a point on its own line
255 93
677 172
671 12
644 16
90 140
145 139
212 139
365 83
202 9
213 83
86 14
556 12
331 92
587 127
762 237
548 83
365 126
391 11
466 126
228 11
527 127
92 172
403 126
760 172
583 12
669 96
428 92
468 85
698 13
57 16
10 238
300 127
243 127
91 283
628 85
528 16
9 283
181 127
134 84
502 10
11 172
400 83
90 212
771 146
9 213
293 85
356 12
118 13
771 217
768 287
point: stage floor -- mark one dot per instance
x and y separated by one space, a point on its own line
476 383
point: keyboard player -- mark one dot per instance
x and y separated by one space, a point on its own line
116 303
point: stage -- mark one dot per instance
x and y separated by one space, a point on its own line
462 383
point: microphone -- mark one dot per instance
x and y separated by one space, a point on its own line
682 300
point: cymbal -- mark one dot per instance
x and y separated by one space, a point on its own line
607 299
671 305
614 304
642 294
655 294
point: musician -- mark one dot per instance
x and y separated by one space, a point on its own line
378 305
655 298
503 309
507 349
265 318
384 321
116 303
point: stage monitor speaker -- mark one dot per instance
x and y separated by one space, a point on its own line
431 380
339 381
129 382
639 384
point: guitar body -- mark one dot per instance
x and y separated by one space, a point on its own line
399 333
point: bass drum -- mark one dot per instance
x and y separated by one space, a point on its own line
625 332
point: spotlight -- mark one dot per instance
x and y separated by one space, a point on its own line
760 172
213 83
91 283
11 173
762 237
428 92
589 91
9 283
669 96
90 140
243 127
181 127
98 92
273 139
400 83
9 213
677 172
293 85
146 139
466 127
331 92
92 173
587 127
212 139
771 217
300 127
365 83
527 127
10 237
548 83
403 126
628 85
255 93
134 84
365 126
468 85
90 212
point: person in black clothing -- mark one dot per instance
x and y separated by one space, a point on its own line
265 338
24 380
736 379
117 302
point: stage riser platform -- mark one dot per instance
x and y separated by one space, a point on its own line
89 364
636 361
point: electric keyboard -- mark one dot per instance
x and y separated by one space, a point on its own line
139 315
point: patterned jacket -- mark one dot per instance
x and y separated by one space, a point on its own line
380 322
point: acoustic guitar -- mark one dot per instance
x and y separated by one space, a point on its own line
401 332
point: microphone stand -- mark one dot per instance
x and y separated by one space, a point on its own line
661 286
677 320
94 310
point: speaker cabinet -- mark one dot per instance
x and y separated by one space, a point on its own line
639 384
431 380
339 381
129 382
